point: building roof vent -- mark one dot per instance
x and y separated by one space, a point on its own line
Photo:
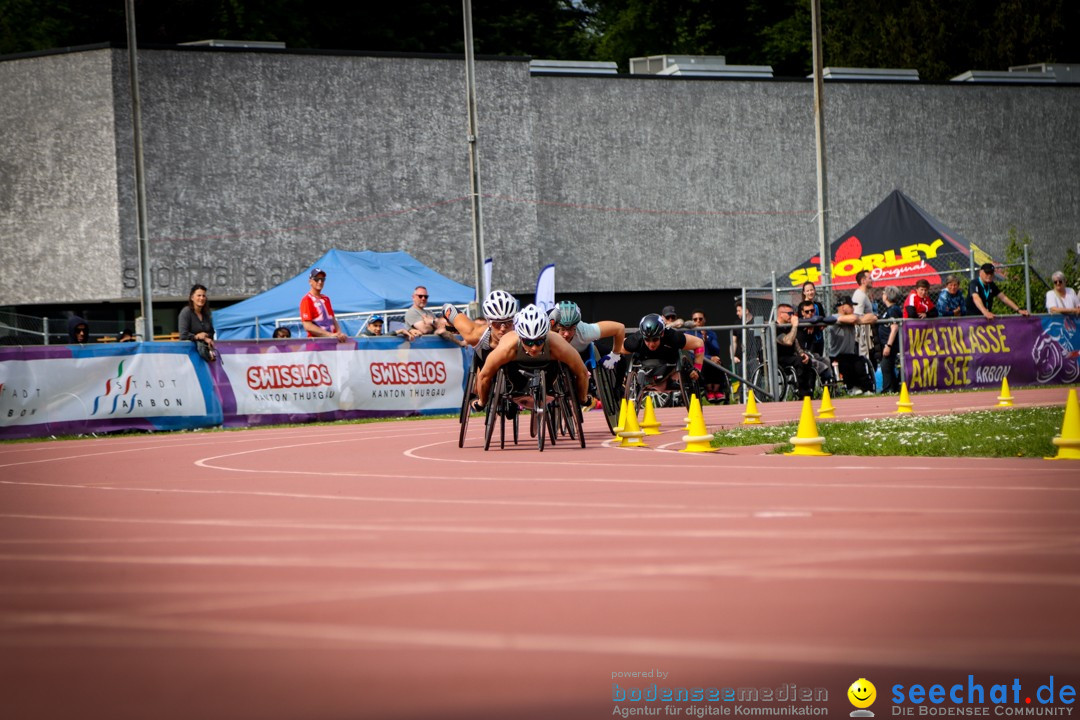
249 44
572 67
1005 76
884 74
695 66
1062 72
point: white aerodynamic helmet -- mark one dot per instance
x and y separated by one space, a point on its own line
531 323
500 305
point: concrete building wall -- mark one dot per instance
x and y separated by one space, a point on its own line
258 162
58 190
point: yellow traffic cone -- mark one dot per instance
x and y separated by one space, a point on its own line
1005 399
826 411
650 424
806 440
697 437
631 433
904 404
1068 441
622 416
753 417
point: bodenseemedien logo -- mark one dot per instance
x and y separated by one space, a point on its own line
862 695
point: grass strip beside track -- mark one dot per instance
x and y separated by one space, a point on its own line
1017 432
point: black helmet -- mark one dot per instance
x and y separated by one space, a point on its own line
651 326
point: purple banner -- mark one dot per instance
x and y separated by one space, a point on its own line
972 352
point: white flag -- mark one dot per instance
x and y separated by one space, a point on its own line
487 279
545 288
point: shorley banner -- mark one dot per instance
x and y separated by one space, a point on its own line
972 352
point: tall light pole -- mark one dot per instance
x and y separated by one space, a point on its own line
819 130
140 177
474 160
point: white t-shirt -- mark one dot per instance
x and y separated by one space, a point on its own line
586 333
1054 301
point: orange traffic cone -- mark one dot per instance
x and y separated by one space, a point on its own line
1068 441
806 440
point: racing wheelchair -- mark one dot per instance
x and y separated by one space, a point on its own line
669 384
547 392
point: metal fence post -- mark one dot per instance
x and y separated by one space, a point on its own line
1027 280
45 328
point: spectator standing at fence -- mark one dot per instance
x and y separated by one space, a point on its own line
951 301
843 343
282 333
918 305
753 343
78 330
1061 299
811 337
983 290
197 324
862 301
316 312
419 318
375 327
889 335
126 335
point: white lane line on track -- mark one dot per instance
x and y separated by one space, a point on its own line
200 442
942 652
520 529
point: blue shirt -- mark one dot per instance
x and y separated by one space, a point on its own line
947 304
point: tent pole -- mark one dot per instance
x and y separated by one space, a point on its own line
819 136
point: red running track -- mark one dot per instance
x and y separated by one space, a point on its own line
377 571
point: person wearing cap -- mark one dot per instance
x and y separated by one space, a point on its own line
316 312
844 344
983 290
671 318
374 327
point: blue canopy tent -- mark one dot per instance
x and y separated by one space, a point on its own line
362 281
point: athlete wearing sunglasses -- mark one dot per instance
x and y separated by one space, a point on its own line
499 309
532 345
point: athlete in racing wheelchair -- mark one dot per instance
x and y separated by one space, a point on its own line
660 366
530 369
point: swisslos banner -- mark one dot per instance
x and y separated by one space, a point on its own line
73 389
296 381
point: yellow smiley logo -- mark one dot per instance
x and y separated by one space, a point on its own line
862 693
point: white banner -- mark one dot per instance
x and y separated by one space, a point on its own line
545 288
55 390
307 382
284 382
411 379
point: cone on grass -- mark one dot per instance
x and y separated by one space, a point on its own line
697 437
806 440
649 424
1068 442
904 404
753 417
826 411
631 433
1005 399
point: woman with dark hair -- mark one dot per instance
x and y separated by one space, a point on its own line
812 335
196 324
